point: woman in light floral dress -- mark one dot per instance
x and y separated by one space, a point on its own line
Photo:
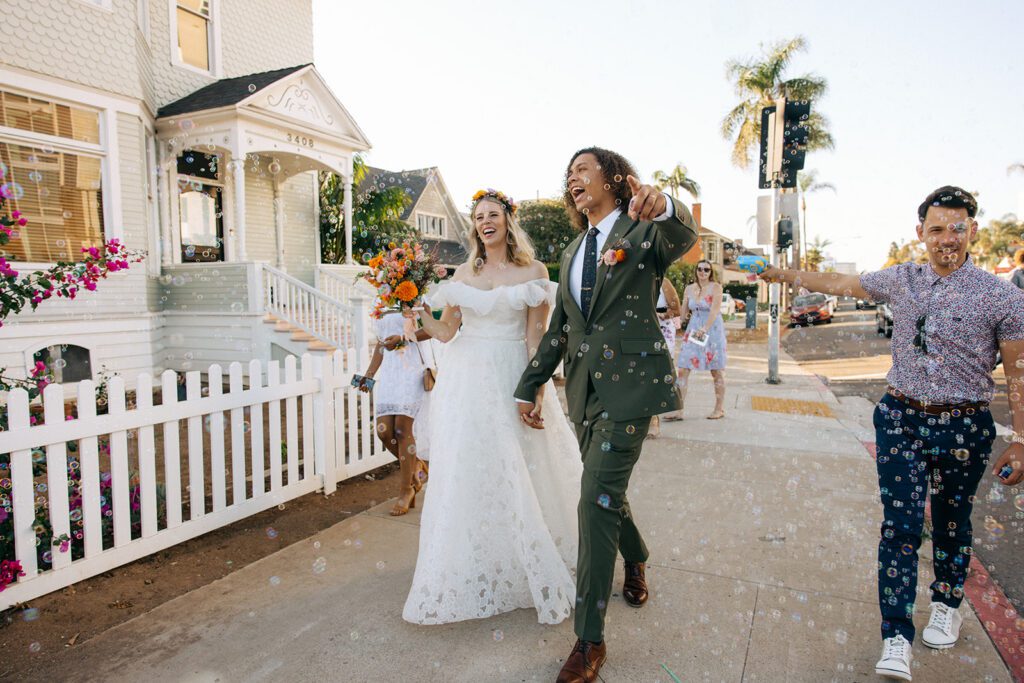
704 300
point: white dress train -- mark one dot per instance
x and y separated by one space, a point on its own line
499 529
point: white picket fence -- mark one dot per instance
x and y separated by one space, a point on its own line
276 439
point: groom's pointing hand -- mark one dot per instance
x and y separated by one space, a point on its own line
647 202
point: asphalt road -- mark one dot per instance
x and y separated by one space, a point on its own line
855 358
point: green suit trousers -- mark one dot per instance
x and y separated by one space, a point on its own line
609 450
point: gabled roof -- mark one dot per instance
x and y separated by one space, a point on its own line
706 231
414 183
226 92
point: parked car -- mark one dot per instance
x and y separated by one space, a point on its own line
883 319
728 304
864 304
810 309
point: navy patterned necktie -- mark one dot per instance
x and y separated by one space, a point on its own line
589 271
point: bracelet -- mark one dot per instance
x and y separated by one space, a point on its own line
1017 438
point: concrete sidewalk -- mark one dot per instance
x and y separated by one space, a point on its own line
762 528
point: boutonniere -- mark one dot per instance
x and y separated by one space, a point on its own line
616 254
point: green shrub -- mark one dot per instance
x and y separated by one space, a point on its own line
680 275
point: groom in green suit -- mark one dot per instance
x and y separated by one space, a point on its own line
618 369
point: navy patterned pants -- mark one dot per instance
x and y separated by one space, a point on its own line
919 455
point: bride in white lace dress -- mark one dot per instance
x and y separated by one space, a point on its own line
499 529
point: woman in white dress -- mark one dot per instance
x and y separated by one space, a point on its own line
668 310
499 529
396 367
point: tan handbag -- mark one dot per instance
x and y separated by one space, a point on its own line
429 374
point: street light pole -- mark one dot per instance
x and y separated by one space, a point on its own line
776 133
773 296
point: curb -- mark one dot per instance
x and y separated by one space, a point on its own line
1003 626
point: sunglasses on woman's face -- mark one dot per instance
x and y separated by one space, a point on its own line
703 270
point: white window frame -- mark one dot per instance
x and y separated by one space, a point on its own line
104 151
214 36
142 17
152 200
38 345
713 251
442 222
226 196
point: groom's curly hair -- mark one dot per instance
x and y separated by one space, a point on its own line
614 168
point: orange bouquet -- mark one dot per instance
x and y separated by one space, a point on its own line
400 274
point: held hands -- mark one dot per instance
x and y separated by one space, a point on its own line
529 413
1010 464
647 203
393 342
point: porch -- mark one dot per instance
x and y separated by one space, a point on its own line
238 165
239 248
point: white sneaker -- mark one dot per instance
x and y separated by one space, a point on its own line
895 661
943 627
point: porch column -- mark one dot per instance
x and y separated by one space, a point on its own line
279 224
347 179
164 191
238 243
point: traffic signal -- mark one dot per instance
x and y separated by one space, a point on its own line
794 144
784 235
765 172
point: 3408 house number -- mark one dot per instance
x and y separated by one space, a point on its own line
300 140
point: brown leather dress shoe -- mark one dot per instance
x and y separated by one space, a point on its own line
583 663
634 588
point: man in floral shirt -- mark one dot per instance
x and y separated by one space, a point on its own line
933 424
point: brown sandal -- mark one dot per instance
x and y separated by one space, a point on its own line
398 510
421 475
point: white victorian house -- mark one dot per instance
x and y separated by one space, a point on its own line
191 129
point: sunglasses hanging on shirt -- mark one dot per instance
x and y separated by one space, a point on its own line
920 339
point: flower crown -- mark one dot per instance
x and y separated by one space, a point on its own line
498 196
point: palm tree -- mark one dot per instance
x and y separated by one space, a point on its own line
677 179
816 253
807 181
761 83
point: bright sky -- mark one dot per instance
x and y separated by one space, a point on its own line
921 94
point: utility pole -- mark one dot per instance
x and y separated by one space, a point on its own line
772 132
783 146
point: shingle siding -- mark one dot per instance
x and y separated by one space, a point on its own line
78 42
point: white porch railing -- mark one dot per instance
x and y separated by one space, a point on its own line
144 477
337 281
340 324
